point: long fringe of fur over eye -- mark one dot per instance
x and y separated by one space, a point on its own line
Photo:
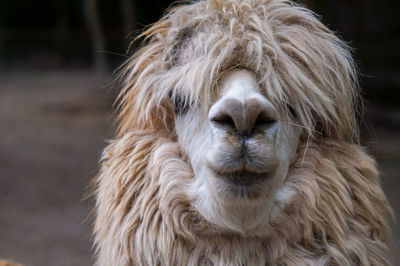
338 214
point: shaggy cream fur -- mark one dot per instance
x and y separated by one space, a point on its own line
329 209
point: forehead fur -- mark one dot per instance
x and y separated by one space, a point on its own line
299 63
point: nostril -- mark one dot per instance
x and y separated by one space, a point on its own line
223 120
263 120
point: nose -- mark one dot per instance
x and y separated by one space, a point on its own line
245 118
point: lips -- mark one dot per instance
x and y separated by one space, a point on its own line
241 184
242 178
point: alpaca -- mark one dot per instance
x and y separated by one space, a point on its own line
237 144
8 263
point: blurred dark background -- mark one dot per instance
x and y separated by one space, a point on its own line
56 60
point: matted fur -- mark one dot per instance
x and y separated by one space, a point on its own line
337 211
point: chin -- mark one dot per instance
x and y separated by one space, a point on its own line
239 202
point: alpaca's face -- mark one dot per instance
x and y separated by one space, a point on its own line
240 151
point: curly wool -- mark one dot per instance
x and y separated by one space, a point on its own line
337 214
336 217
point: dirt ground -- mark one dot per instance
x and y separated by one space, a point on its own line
53 128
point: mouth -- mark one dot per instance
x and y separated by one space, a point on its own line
243 184
242 178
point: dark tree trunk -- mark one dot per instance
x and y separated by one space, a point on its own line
129 19
98 40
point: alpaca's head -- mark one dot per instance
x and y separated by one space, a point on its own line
239 85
